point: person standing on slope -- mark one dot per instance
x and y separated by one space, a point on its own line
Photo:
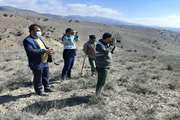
69 41
38 57
90 50
104 50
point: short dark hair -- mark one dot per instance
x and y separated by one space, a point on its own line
92 37
69 30
107 35
32 27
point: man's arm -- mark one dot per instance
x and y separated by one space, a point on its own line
31 50
49 50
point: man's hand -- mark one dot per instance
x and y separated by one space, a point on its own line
50 51
76 33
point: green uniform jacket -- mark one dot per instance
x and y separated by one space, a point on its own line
103 55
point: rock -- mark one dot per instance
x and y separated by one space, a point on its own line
169 67
11 15
46 19
70 21
5 15
19 33
118 41
77 21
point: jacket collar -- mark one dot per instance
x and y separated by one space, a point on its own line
32 37
34 40
105 44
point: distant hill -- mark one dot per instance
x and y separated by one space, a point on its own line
174 29
21 12
101 20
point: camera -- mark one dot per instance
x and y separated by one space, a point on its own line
113 42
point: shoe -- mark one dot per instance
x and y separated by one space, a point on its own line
99 91
69 76
63 78
41 94
48 90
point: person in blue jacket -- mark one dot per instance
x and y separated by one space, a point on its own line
38 55
69 41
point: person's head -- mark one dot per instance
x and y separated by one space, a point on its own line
35 30
69 31
92 38
107 37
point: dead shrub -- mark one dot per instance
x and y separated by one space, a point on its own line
5 15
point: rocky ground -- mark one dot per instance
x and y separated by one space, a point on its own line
143 83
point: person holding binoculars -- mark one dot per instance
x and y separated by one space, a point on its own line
69 41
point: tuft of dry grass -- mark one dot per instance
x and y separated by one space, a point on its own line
91 115
16 116
175 116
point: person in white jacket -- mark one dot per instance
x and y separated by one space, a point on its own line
69 41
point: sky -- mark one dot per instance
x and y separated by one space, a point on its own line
163 13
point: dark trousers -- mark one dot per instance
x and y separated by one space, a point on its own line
41 79
69 58
102 77
92 64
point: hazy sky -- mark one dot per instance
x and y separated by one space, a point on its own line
164 13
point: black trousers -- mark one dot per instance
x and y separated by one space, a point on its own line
102 77
41 79
92 64
69 58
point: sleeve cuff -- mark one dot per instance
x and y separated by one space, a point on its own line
43 51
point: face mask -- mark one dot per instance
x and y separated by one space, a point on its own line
39 34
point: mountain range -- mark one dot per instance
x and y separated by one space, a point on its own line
94 19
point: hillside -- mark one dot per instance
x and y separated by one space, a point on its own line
143 82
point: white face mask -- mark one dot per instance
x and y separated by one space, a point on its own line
39 34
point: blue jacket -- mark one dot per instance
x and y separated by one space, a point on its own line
34 53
